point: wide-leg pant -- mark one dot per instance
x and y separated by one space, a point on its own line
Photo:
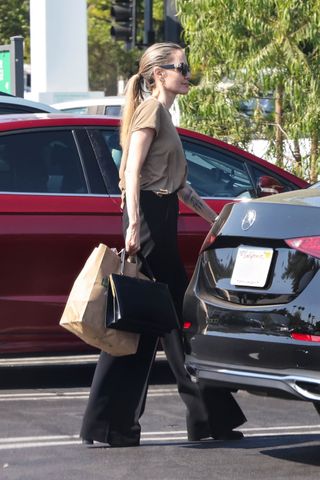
119 386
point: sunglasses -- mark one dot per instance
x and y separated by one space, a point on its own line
183 68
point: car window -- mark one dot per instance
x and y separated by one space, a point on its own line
41 162
102 142
113 110
111 138
75 110
213 173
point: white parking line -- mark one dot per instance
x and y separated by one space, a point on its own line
57 360
45 361
284 427
42 438
66 395
37 444
14 443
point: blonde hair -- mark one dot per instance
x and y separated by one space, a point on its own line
143 81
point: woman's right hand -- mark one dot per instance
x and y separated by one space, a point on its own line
132 239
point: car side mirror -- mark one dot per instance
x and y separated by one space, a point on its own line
267 185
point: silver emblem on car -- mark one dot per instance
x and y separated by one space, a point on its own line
248 219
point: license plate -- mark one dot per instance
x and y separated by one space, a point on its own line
252 266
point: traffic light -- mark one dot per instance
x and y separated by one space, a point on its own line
123 14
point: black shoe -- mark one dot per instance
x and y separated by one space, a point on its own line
87 441
197 434
119 441
230 435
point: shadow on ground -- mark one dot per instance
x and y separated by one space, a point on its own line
61 376
307 455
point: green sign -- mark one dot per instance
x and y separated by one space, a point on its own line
5 73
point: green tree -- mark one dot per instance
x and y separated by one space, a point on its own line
14 20
259 47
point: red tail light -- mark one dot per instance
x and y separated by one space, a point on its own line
187 325
208 241
305 338
309 245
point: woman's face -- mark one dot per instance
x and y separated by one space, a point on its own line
176 80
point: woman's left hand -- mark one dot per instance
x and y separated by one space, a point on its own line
132 239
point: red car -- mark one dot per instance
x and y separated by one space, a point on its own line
60 198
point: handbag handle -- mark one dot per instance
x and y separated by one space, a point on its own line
143 260
146 265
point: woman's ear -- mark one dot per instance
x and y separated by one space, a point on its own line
158 74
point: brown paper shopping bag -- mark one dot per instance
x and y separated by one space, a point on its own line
85 310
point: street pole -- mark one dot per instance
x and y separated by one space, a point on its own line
172 27
148 37
17 73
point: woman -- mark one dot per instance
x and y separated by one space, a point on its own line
153 175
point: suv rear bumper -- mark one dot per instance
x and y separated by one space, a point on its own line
305 386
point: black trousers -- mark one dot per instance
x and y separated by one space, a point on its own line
119 386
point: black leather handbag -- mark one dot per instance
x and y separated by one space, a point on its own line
138 305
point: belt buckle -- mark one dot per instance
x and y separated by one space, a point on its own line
162 192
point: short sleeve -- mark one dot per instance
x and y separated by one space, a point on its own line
147 115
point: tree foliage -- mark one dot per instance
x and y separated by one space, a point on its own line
14 21
249 48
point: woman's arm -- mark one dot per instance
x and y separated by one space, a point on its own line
138 149
190 198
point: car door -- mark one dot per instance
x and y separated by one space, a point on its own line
54 210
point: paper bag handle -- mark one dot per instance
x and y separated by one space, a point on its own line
143 260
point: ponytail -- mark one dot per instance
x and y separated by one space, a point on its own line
134 95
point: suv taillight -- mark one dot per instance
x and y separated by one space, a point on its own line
309 245
302 337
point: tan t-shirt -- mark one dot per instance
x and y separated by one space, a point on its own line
165 167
